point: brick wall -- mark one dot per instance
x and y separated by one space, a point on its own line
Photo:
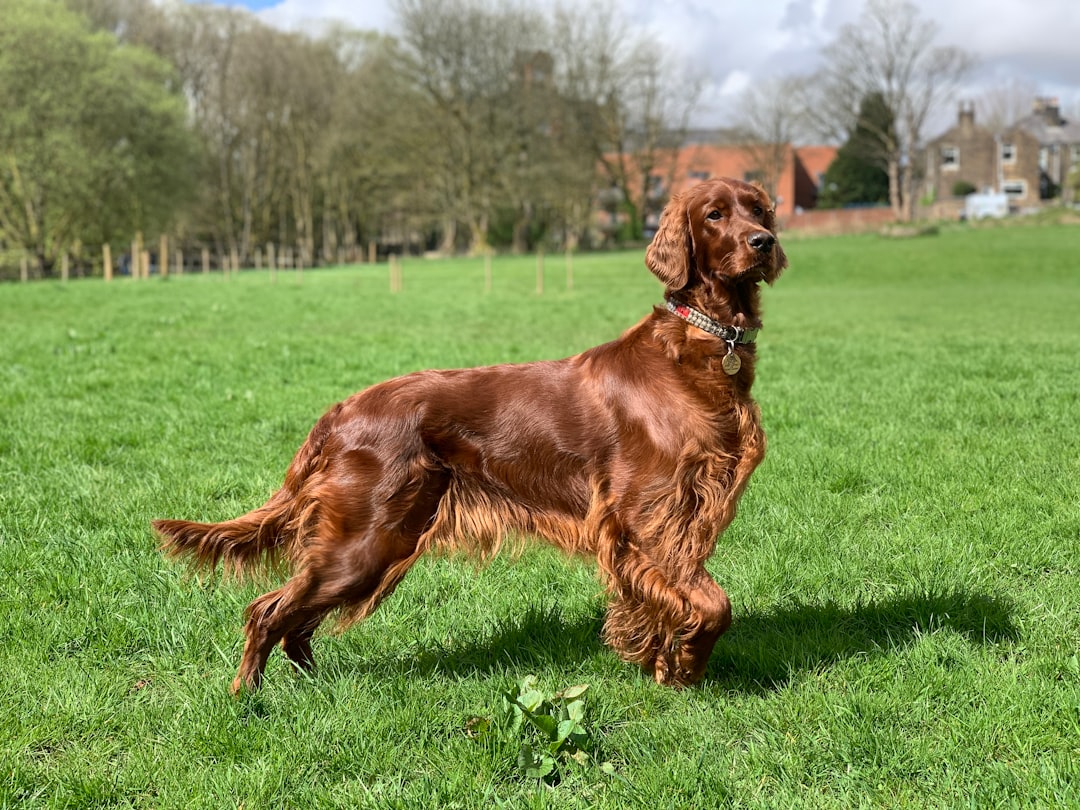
837 220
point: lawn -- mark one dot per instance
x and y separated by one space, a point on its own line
904 569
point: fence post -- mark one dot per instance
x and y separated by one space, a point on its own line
163 256
270 261
65 270
145 263
234 260
372 252
206 261
179 262
106 261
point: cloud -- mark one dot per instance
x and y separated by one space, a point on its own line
732 44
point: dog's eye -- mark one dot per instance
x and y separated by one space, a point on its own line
714 214
758 210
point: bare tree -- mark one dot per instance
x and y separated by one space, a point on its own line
889 51
466 57
766 127
1006 103
632 100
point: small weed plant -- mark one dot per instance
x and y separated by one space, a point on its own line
551 728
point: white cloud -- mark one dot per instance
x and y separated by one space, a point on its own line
735 43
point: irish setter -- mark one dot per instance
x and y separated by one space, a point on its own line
635 452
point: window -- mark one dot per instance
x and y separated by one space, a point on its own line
1008 152
1015 189
1044 158
950 157
699 175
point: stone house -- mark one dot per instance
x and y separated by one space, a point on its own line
1059 146
969 157
1029 161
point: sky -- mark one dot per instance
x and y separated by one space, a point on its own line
1032 43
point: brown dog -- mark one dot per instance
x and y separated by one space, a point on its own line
635 451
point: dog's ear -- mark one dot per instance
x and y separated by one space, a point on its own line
671 252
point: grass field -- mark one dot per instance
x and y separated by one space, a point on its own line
905 567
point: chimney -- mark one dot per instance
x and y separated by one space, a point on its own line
966 118
1049 109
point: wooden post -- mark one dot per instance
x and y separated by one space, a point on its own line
395 273
206 261
136 255
106 261
24 268
234 260
163 256
539 272
270 261
179 262
372 252
65 269
569 269
145 272
487 270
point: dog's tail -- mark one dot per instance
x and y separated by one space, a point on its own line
252 541
261 538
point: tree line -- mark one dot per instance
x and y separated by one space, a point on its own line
482 123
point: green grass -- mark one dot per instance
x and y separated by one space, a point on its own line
905 567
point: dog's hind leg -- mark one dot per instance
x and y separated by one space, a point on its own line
355 560
354 577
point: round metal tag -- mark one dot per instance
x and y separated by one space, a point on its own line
731 363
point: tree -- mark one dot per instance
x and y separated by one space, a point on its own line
1005 103
465 57
890 51
93 139
856 174
632 102
767 126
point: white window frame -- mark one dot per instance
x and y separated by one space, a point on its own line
950 158
1019 189
1008 152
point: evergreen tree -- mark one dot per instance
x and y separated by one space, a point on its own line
855 176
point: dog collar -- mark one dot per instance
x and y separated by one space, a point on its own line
728 334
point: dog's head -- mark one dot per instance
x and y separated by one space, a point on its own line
719 230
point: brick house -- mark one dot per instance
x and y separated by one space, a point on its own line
796 187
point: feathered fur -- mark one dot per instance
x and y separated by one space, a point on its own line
634 452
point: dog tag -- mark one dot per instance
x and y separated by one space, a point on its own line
731 363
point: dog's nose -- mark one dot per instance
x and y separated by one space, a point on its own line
761 240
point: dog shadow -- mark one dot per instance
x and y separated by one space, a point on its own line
765 649
761 652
